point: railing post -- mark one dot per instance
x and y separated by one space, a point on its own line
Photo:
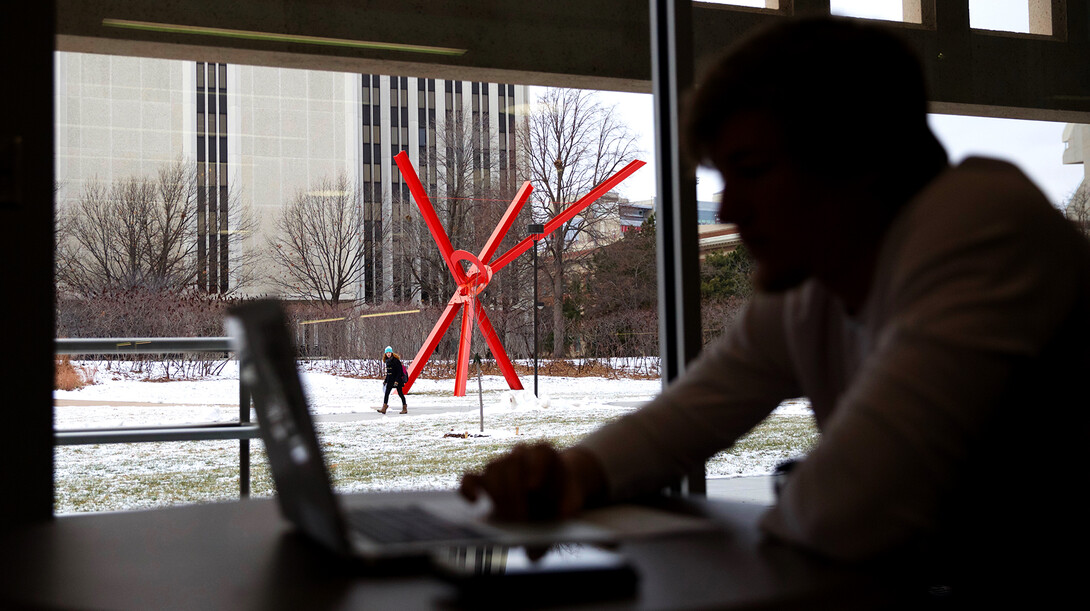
243 444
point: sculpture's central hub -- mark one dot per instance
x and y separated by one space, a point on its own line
476 277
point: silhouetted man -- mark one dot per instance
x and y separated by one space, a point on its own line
937 317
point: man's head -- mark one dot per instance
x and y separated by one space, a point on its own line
819 128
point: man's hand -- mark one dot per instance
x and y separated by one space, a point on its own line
535 482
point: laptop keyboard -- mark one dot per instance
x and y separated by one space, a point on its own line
407 524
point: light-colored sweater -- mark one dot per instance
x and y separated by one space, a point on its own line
971 345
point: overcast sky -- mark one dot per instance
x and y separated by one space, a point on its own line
1035 146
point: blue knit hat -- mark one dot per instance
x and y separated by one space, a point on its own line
389 349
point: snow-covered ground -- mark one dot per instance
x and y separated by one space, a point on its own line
365 450
216 398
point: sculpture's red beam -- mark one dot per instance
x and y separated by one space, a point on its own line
472 280
431 219
568 214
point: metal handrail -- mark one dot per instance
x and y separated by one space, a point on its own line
141 345
242 430
205 432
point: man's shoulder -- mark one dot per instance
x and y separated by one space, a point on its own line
975 224
982 192
986 164
980 180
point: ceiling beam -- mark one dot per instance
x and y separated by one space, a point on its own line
594 44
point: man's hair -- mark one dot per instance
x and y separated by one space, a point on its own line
849 95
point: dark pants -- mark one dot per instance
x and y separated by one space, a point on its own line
391 383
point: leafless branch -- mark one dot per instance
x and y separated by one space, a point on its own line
570 143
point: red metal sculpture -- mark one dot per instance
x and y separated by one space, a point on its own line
472 280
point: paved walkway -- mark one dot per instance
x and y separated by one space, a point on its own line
756 489
366 410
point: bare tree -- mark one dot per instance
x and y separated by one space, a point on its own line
317 248
1077 208
138 232
570 143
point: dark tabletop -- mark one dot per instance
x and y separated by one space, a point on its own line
242 555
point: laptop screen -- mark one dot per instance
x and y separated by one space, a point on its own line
267 368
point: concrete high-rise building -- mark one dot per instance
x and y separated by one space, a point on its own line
1076 139
260 136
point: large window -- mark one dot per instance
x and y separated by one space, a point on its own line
240 174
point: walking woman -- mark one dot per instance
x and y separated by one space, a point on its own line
394 372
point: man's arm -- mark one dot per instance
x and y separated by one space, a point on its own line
734 384
726 392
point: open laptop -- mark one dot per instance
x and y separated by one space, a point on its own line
370 526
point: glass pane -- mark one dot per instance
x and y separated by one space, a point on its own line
887 10
769 4
293 137
1003 15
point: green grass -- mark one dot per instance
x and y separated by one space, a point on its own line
775 440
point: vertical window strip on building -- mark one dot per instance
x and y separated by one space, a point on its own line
202 173
213 201
371 176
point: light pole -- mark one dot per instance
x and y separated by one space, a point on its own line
536 229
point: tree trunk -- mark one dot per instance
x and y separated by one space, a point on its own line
559 332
